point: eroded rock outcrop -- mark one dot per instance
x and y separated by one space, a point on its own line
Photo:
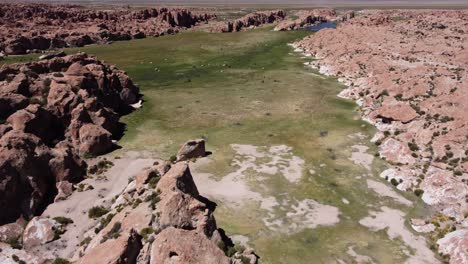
407 70
249 21
35 27
307 17
55 112
160 217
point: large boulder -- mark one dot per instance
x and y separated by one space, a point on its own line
181 205
35 120
94 140
10 103
192 149
26 183
179 246
123 250
39 231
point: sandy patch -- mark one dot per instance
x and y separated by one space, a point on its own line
240 239
233 190
77 205
360 259
360 156
384 190
393 221
272 160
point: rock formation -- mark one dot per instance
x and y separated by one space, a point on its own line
407 70
249 21
28 28
53 113
306 18
159 217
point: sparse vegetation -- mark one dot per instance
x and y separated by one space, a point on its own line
61 261
418 192
113 233
63 220
97 211
146 232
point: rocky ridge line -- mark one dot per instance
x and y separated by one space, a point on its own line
251 20
26 28
407 70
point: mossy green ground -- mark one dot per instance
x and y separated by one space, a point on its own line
250 88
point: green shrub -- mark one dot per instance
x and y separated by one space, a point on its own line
61 261
85 241
394 182
97 211
146 232
63 220
418 192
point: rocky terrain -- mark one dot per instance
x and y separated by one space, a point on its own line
157 217
28 28
57 114
408 72
54 112
310 17
249 21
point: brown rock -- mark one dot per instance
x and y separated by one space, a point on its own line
94 140
123 250
11 232
65 189
39 231
192 149
183 246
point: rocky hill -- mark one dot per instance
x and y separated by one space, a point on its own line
53 113
58 114
407 70
248 21
28 28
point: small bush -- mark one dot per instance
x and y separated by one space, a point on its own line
15 243
418 192
85 241
146 232
97 211
63 220
173 159
153 182
394 182
61 261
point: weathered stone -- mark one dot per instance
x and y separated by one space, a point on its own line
192 149
185 247
39 231
123 250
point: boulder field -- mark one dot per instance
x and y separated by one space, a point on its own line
251 20
28 28
407 70
53 113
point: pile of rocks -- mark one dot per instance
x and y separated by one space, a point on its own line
407 70
28 28
53 113
249 21
159 217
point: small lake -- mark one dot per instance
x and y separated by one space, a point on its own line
320 26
